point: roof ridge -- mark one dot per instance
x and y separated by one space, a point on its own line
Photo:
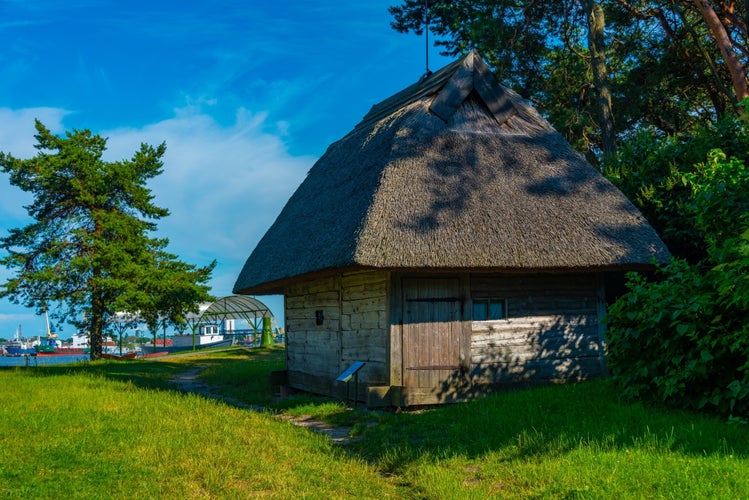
452 84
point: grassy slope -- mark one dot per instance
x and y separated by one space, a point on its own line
563 441
116 430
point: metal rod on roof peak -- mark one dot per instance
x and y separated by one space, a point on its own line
426 35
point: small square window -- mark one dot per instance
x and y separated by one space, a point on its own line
489 309
480 311
497 309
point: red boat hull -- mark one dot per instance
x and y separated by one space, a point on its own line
63 352
128 355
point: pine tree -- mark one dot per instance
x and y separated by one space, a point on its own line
89 249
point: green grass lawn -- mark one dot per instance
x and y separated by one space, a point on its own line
120 430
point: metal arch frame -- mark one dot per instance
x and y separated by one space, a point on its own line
233 307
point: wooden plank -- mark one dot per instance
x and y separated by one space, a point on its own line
424 87
314 383
330 311
522 356
396 331
489 89
380 396
314 358
350 279
368 353
419 396
318 299
510 343
315 354
364 285
533 333
294 324
319 357
533 281
513 335
601 303
536 372
367 320
313 287
464 358
310 336
516 337
310 344
368 304
520 344
454 93
536 295
364 292
366 336
561 323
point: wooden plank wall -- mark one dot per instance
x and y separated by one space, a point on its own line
354 328
551 334
313 351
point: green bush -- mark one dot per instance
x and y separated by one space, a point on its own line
680 341
683 338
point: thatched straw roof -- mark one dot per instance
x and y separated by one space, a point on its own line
456 172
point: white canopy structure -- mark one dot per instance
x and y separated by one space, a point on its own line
232 307
214 320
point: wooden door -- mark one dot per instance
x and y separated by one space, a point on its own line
431 331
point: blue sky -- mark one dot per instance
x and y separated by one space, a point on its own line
246 95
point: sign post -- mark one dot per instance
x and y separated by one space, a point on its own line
352 372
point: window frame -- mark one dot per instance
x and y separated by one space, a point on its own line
487 301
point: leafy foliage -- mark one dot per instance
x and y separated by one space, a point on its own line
654 171
88 248
683 339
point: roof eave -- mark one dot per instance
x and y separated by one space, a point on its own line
280 286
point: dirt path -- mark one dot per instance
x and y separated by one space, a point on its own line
189 381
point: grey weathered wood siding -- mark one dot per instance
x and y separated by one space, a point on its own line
552 331
312 350
354 328
366 324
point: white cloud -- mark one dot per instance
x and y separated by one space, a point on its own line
17 128
17 317
224 185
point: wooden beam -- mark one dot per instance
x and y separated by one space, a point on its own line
396 330
490 90
455 91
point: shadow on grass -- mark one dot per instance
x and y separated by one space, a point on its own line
547 421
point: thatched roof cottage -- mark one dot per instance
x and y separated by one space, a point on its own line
453 241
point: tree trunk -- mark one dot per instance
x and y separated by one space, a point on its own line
737 70
97 326
596 22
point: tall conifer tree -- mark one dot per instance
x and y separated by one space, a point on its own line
88 249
